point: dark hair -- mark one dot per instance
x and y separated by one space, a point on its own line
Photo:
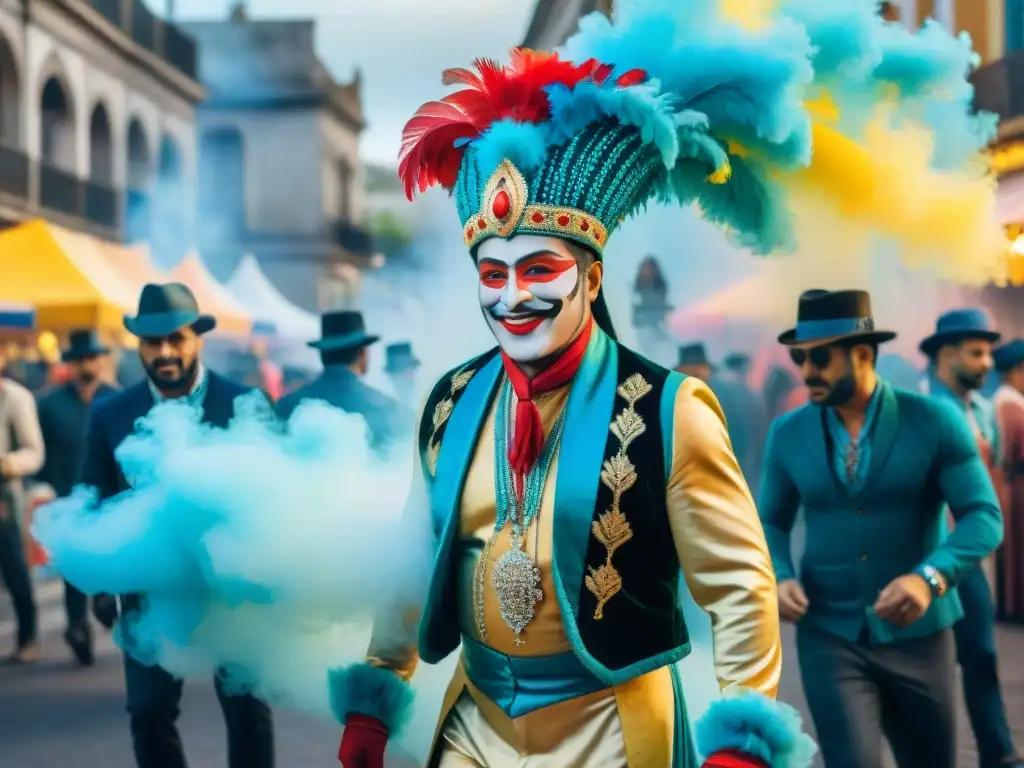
341 356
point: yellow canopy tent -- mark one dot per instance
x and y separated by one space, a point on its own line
213 298
64 276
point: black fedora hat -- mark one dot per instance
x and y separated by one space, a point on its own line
83 343
165 308
693 354
342 330
824 317
738 362
399 357
959 325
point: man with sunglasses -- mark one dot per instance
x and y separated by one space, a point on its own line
873 467
960 360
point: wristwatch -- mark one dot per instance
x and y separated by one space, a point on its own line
935 579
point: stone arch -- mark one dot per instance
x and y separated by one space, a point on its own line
10 96
140 164
57 120
101 146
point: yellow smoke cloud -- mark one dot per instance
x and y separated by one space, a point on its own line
944 222
752 15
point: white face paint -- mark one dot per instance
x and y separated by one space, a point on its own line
533 294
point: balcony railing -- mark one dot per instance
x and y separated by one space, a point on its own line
14 172
101 204
59 190
165 40
999 86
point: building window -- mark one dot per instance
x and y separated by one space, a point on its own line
222 184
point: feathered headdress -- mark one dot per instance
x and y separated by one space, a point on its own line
815 100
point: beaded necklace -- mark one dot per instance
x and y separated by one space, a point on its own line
515 578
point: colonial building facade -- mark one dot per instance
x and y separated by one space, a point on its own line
97 111
280 174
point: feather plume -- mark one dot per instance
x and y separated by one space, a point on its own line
435 139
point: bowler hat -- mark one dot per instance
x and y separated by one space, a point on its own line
399 357
166 308
826 317
693 354
342 330
1009 355
959 325
82 343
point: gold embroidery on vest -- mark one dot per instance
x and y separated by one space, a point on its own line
442 411
618 474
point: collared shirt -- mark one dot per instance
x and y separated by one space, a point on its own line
979 413
195 396
851 458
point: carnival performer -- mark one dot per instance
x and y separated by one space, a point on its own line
569 480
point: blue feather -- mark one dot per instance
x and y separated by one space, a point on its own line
753 723
523 144
363 689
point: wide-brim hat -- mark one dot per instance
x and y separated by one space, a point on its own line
82 344
1009 355
959 325
693 354
166 308
827 317
399 357
343 330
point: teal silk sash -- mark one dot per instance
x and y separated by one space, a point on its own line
524 684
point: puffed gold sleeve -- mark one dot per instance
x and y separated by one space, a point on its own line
721 544
393 643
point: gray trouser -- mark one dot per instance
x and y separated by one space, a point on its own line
858 693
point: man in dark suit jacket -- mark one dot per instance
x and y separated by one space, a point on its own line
169 327
64 417
344 352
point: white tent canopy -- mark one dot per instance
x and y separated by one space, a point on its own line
253 290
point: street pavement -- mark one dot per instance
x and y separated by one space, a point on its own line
57 715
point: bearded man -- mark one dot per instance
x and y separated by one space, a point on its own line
875 599
170 328
960 360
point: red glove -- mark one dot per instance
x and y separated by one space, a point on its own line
733 758
363 742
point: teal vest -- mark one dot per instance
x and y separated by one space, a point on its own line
616 571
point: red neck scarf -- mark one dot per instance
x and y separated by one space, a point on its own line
528 439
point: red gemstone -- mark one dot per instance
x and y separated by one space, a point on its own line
563 220
584 225
537 217
501 205
469 232
481 224
597 236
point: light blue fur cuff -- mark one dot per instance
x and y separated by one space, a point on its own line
362 689
751 722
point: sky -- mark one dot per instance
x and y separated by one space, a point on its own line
402 47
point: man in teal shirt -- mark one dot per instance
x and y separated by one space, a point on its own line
960 357
874 603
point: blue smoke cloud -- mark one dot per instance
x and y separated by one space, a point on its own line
260 548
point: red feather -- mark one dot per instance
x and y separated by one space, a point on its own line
491 93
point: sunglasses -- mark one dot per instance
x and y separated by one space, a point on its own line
819 357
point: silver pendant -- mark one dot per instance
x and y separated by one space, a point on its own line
515 579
